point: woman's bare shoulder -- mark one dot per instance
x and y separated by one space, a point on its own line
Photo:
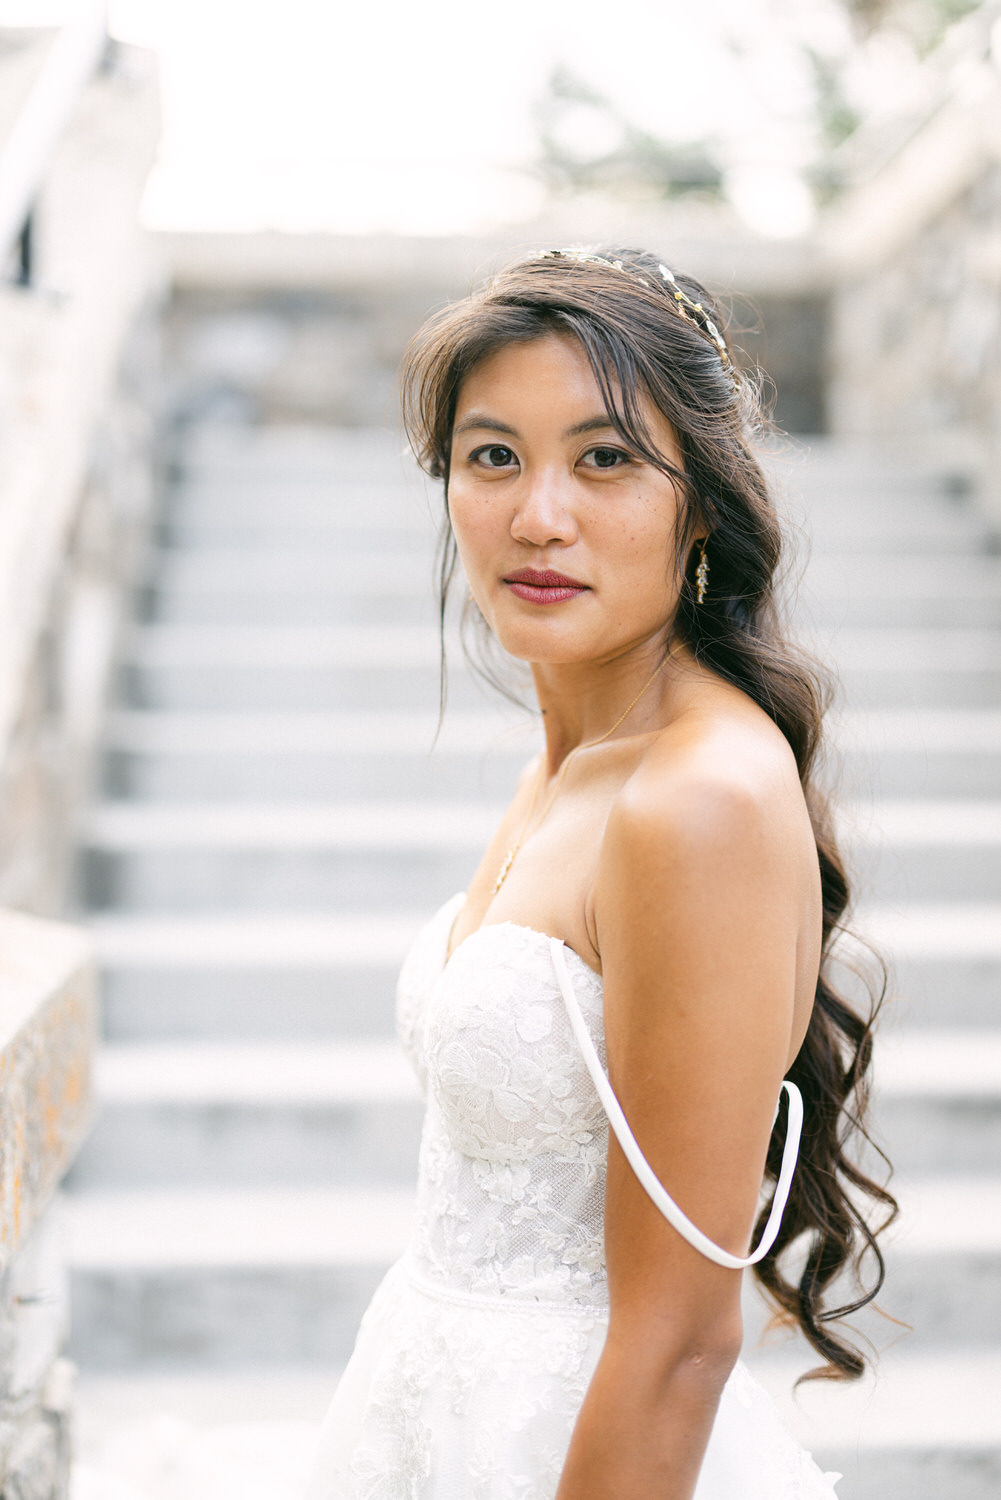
715 799
722 758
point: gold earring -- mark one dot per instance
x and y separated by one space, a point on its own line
702 575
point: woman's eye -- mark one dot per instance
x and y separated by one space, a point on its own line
494 457
606 458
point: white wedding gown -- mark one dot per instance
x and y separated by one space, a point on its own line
475 1353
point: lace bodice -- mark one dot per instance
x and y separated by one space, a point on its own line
477 1350
512 1171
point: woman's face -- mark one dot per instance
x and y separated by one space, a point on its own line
566 537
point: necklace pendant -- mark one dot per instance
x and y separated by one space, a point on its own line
502 872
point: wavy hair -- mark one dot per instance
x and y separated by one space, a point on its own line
641 339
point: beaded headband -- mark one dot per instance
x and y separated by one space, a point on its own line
692 312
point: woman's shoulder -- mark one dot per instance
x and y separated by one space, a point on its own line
720 777
720 750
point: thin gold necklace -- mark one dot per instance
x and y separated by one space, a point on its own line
529 825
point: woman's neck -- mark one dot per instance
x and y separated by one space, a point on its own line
581 702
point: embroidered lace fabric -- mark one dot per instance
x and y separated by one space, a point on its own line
474 1356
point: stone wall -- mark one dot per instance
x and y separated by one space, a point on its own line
916 309
312 326
78 361
78 365
47 1036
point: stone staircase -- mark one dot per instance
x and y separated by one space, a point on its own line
273 831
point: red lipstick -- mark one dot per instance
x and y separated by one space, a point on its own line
544 585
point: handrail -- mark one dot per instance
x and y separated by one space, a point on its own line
25 156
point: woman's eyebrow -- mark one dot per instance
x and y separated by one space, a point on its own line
592 424
480 422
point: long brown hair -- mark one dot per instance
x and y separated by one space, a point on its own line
642 339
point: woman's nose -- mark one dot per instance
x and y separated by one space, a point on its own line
544 513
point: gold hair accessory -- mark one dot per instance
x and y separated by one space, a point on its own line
531 822
692 312
686 307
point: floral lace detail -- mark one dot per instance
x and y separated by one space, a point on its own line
512 1174
433 1397
477 1350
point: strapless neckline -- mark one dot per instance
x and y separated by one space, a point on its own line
459 900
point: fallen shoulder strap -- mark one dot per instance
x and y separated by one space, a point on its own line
672 1213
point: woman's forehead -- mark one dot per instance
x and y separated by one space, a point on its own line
549 380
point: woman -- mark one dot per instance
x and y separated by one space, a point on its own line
657 902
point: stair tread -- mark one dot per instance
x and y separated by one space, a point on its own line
255 1226
905 648
942 1400
957 929
924 1062
410 732
921 1400
240 825
252 940
934 929
416 822
223 1072
378 732
187 1227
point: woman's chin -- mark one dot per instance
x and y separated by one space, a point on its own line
546 647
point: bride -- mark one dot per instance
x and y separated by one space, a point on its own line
644 943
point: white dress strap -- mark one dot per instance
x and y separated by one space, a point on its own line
672 1213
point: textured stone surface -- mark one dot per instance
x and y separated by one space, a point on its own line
47 1038
47 1035
77 360
916 317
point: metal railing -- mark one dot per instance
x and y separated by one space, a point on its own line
76 52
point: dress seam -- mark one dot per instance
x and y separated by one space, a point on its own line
499 1304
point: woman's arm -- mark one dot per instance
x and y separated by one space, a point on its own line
699 899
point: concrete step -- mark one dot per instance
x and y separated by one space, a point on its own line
326 596
317 1113
179 857
926 1428
190 1434
349 1112
902 849
917 650
226 1277
178 756
937 1098
924 1425
350 666
838 576
306 857
933 590
248 975
290 669
291 449
184 774
212 1277
246 509
380 602
315 676
937 753
313 755
946 960
883 466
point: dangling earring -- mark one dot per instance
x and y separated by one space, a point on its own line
702 575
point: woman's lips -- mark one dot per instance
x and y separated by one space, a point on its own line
543 586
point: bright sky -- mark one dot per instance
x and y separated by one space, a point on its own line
306 114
